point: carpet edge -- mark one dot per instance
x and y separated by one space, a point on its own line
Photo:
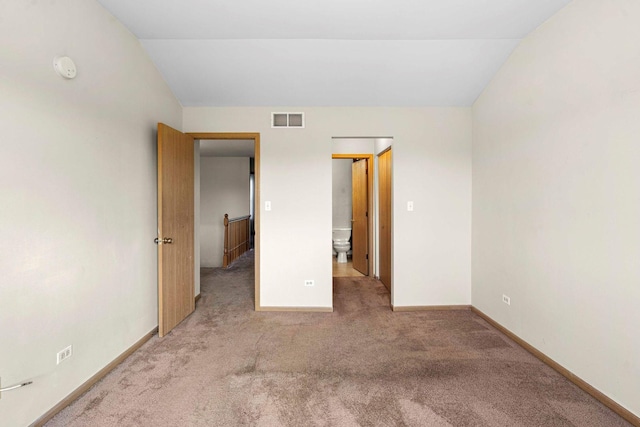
296 309
582 384
47 416
407 308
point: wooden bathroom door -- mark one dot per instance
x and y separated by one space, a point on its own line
360 220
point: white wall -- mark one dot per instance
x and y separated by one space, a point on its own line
341 192
381 144
556 184
78 185
224 188
352 145
432 167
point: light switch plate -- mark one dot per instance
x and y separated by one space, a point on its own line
410 206
267 206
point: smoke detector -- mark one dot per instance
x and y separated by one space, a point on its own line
65 67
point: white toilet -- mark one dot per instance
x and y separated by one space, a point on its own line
341 243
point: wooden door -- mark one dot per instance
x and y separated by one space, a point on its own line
384 189
175 228
360 216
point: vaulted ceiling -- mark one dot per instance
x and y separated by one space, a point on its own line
330 52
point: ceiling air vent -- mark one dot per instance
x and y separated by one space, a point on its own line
287 120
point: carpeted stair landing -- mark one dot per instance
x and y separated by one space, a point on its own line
362 365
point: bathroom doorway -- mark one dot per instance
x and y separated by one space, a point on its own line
352 234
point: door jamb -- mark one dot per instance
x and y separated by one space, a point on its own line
370 205
391 215
256 150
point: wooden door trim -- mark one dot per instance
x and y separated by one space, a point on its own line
225 135
256 154
379 155
384 151
370 205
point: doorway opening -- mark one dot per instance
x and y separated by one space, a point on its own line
237 151
374 186
352 232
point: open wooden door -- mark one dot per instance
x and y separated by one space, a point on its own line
360 220
175 228
384 189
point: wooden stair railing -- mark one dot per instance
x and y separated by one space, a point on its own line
237 237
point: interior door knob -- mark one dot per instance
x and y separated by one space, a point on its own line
166 240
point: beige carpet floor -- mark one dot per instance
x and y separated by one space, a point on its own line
362 365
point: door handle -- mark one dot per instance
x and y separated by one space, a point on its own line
166 241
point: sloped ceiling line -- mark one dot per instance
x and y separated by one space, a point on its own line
330 52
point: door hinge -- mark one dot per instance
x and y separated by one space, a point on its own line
367 256
366 214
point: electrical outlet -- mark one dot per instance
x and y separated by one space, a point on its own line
410 206
309 283
64 355
506 299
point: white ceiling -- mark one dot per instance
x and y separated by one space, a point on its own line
330 52
226 148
